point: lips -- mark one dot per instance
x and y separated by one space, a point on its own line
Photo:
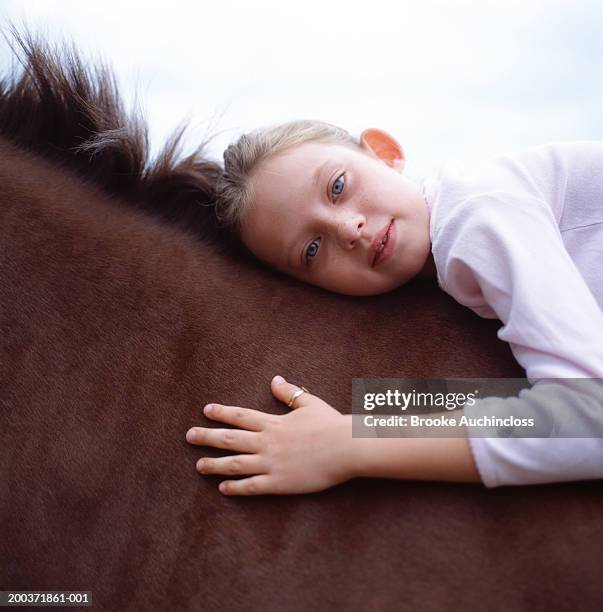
382 236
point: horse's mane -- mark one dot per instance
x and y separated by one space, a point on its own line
72 114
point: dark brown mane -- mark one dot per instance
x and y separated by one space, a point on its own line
68 112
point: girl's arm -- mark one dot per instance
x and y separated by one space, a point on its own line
505 258
311 449
448 459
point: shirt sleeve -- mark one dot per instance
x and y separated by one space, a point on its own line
503 256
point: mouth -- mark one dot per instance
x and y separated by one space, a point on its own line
379 249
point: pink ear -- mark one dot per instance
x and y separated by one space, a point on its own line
383 146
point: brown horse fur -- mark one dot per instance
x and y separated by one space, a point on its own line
119 322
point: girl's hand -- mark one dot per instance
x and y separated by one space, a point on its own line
304 451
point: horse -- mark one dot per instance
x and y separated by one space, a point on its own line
124 309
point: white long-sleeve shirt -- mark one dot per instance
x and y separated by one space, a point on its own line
520 238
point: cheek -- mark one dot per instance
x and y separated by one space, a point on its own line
364 201
390 199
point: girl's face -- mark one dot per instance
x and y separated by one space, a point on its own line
321 211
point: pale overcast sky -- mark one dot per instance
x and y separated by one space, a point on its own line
448 78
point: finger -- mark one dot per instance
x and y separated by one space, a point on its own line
233 465
231 439
256 485
284 391
254 420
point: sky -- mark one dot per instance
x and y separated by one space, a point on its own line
462 79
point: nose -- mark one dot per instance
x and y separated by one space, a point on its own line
349 230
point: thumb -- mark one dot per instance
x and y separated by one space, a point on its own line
284 391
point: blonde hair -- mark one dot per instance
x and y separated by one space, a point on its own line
234 190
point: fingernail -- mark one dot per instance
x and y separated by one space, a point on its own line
208 409
190 435
279 380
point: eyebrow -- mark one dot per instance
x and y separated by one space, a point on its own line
313 185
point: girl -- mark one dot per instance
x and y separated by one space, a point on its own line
519 238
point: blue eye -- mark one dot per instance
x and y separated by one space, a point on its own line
336 189
338 185
312 249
